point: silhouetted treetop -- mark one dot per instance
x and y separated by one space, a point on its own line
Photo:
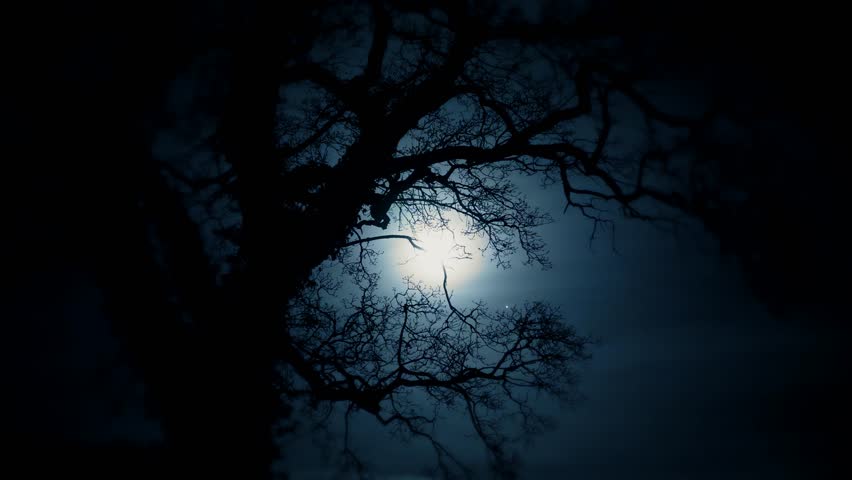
312 132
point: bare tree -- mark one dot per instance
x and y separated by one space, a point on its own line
340 122
374 351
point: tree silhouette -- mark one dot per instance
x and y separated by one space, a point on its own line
239 276
252 284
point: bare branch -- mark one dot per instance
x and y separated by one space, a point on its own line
359 241
381 34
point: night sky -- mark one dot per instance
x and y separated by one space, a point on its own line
696 372
691 377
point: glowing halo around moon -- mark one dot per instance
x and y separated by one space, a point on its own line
440 248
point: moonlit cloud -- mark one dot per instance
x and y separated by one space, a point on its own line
441 248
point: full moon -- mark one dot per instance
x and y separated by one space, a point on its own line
440 249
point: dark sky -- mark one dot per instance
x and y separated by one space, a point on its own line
692 378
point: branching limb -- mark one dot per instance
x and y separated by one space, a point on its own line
411 240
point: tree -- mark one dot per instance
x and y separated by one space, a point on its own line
339 122
222 322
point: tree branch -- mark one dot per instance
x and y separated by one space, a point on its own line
381 34
411 240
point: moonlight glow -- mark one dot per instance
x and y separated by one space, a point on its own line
440 248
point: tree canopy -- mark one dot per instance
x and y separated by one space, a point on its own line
360 118
244 284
